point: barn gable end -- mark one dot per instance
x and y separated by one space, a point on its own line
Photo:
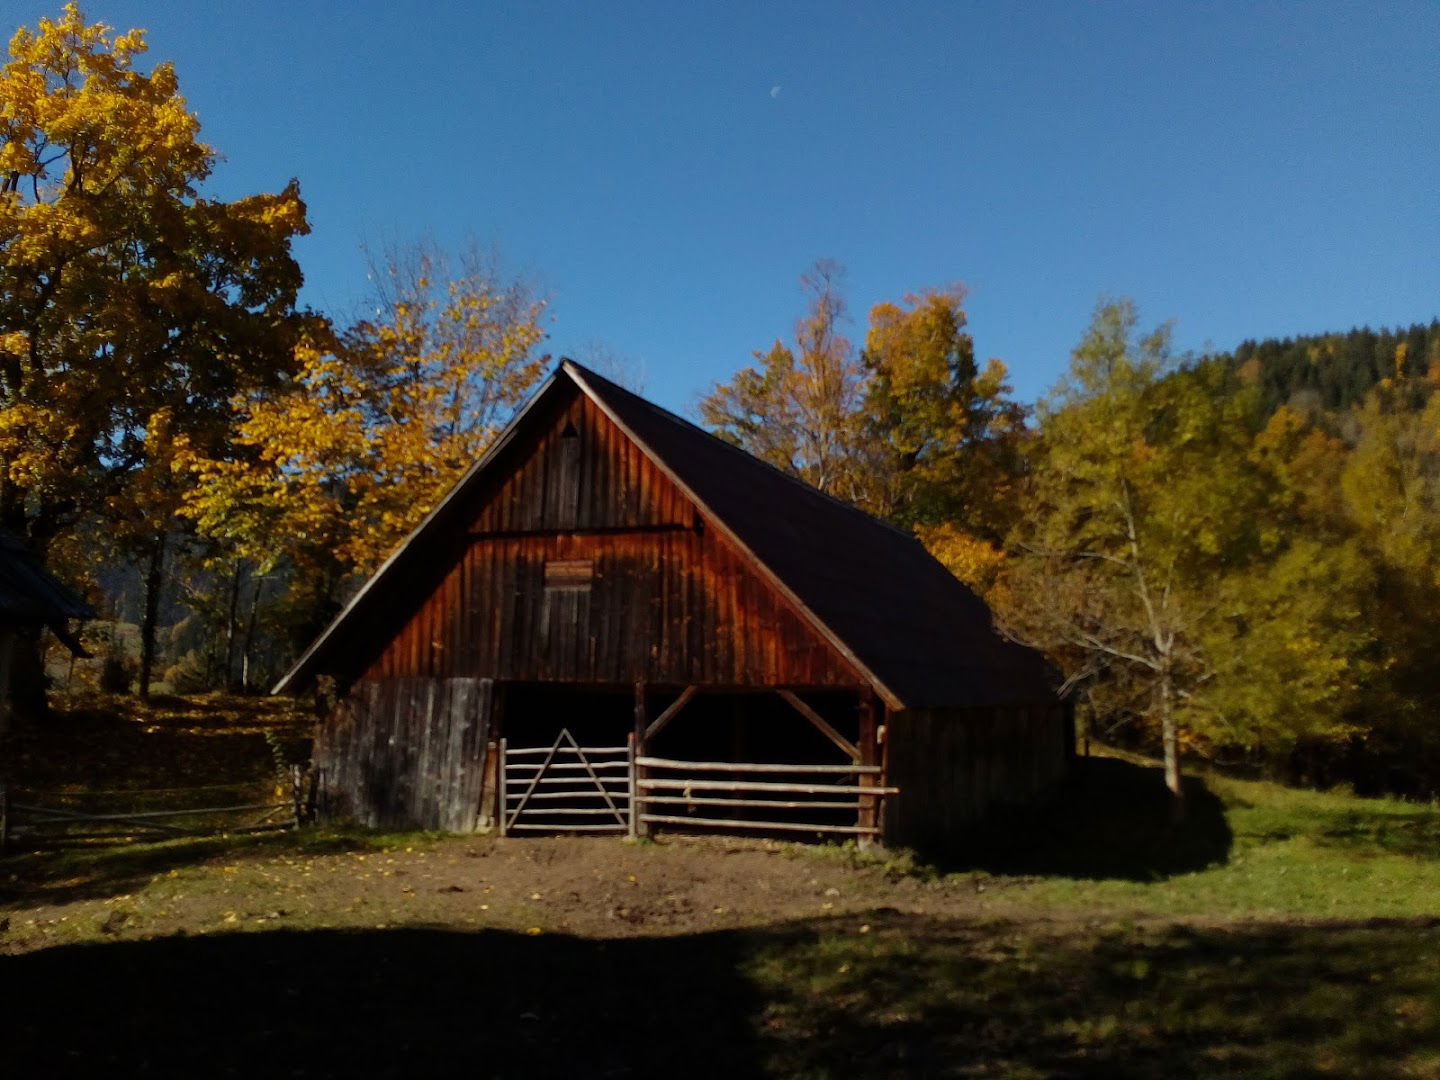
580 562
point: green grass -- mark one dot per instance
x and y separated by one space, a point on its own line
1275 933
1248 849
920 997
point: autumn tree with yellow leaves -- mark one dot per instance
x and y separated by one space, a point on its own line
910 428
946 432
800 407
133 309
379 421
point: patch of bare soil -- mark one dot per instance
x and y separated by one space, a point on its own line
589 887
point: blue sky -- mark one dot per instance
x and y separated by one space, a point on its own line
666 171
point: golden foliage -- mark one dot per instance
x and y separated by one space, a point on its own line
944 436
132 309
975 561
377 424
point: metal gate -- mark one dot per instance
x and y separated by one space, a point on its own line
565 787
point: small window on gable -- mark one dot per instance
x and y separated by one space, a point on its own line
569 431
569 574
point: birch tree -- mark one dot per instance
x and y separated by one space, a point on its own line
1138 496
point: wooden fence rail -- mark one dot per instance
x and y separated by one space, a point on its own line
568 788
24 816
565 787
829 791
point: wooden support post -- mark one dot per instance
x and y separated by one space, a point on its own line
883 731
669 714
869 755
297 795
639 747
312 796
489 785
821 724
502 814
634 780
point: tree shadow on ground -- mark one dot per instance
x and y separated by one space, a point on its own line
62 875
1412 830
1111 820
881 995
921 997
401 1003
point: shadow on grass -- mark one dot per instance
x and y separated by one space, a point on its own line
927 998
1111 820
1412 830
85 872
907 996
402 1003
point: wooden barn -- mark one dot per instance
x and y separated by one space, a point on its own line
618 622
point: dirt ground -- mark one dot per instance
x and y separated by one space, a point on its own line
1278 934
587 887
341 955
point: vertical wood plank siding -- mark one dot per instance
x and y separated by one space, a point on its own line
407 753
670 601
957 767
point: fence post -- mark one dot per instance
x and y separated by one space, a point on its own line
500 790
638 748
634 790
312 796
297 795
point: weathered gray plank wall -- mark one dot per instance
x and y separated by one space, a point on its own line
406 753
957 767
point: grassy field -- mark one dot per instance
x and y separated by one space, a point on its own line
1277 933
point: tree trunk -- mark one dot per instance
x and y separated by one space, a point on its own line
7 643
1170 740
154 582
232 619
250 634
27 675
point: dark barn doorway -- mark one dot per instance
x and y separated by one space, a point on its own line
565 763
534 714
753 726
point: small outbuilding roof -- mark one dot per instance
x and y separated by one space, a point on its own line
874 591
29 593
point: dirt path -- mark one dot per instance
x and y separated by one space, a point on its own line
587 887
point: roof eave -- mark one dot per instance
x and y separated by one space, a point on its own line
300 672
576 372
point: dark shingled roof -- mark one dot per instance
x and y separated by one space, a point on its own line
29 594
873 590
924 636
